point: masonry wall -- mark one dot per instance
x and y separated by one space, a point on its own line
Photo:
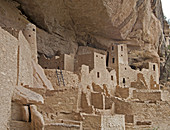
30 34
68 63
63 62
71 80
61 101
8 74
25 62
127 77
147 95
87 59
102 122
157 113
114 122
98 76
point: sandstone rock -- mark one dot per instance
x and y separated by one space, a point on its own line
41 77
37 121
20 125
25 96
68 24
8 74
25 114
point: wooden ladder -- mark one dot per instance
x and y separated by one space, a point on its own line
60 77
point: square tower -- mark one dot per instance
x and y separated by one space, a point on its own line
118 56
93 60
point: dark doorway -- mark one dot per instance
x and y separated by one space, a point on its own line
107 59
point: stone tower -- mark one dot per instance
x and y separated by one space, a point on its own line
117 56
30 34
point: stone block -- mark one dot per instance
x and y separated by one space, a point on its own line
115 122
103 122
25 113
16 111
25 96
37 121
20 125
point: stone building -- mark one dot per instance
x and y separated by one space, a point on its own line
118 60
63 62
30 34
92 66
31 99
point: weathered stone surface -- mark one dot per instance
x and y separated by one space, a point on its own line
58 101
37 122
65 26
71 80
25 96
147 96
8 74
98 23
40 77
61 126
25 59
25 114
115 122
20 125
16 111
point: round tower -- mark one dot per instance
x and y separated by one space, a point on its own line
30 34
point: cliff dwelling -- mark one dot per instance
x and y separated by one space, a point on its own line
72 72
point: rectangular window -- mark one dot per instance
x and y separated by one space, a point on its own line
98 75
153 67
112 47
124 80
113 60
111 77
121 48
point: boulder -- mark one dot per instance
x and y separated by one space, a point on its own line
37 121
23 95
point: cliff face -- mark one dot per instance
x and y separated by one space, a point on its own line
65 25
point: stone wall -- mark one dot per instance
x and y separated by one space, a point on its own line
151 112
63 62
58 101
147 95
25 62
94 122
114 122
8 74
70 79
